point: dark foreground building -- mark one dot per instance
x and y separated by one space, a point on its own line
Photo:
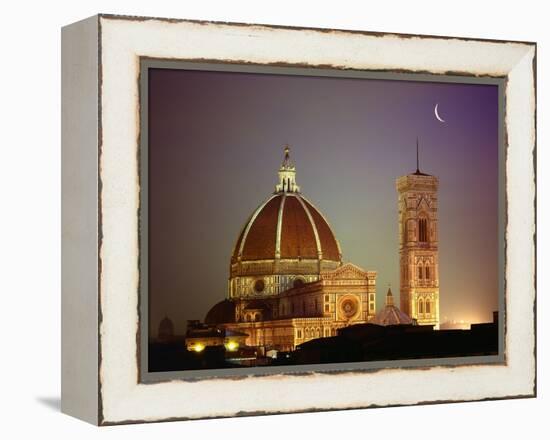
356 343
370 342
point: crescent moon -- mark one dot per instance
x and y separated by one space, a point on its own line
439 118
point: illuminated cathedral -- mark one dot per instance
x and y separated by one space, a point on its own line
288 283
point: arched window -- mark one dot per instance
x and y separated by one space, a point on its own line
307 333
318 332
420 307
428 307
257 317
427 272
423 230
420 273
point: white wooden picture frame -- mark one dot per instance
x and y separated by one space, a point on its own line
101 380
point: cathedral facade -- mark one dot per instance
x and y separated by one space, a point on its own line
287 282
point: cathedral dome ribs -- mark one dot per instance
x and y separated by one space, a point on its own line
298 232
286 235
286 227
259 239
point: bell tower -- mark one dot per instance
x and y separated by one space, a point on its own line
418 245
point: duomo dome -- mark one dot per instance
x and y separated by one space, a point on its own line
287 283
286 227
285 242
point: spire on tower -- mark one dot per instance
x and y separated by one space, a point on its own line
418 172
389 297
417 161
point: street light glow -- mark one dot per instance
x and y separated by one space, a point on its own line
231 346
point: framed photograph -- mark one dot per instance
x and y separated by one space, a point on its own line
262 220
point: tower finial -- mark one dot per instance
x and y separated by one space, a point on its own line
287 174
389 296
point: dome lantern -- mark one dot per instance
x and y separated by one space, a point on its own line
287 175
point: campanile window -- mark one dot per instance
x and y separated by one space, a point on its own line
423 230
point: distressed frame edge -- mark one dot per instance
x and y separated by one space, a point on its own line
142 18
80 227
532 114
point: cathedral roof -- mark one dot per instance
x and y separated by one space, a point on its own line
390 314
222 312
286 226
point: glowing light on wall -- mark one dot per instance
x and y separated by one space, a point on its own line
198 348
231 346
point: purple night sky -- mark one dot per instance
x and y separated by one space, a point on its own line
216 142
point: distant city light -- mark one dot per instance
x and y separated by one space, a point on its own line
456 324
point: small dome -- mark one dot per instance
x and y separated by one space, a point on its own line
390 314
220 313
166 328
